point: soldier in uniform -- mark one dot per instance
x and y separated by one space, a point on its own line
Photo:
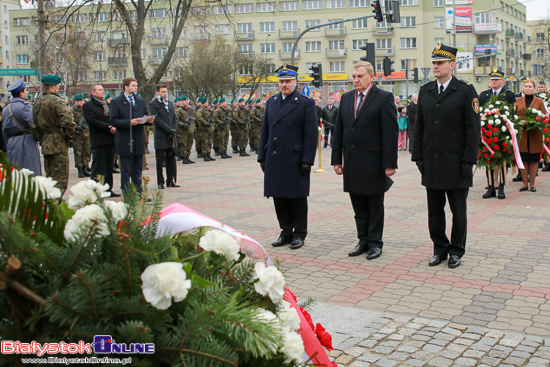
499 173
54 129
243 126
205 127
235 128
256 125
222 118
445 160
186 129
215 143
81 143
198 136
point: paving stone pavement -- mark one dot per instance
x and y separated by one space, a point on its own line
494 310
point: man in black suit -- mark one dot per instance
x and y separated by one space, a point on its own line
126 112
288 143
411 119
166 125
329 116
366 137
445 149
102 136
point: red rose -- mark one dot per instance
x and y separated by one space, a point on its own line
504 144
484 148
324 337
479 151
489 126
538 118
482 129
488 161
496 147
485 155
492 155
488 133
545 129
495 129
495 139
504 150
307 316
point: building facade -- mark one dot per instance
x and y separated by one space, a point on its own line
538 33
5 42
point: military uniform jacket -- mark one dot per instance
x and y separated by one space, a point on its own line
203 115
120 118
53 123
256 114
80 130
244 117
486 95
182 113
366 142
221 115
288 139
447 134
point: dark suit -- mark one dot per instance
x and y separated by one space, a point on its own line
411 122
484 96
329 117
288 139
447 137
166 125
367 144
120 118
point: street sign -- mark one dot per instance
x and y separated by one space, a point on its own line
18 72
305 91
426 71
511 78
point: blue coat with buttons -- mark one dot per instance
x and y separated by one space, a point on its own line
288 139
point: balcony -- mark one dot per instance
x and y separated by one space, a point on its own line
156 60
115 42
248 55
118 61
510 71
336 53
519 36
510 33
288 55
526 57
246 36
158 41
338 32
383 31
487 28
390 51
289 34
199 37
511 53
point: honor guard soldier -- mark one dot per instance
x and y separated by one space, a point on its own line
204 130
186 129
236 130
215 143
222 118
81 143
54 129
256 125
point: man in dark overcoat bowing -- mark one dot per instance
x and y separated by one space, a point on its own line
286 152
445 149
365 144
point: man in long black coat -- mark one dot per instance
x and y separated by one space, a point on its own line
366 137
122 119
445 149
329 117
286 152
166 126
411 119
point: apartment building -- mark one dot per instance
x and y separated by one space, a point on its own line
538 33
5 42
270 29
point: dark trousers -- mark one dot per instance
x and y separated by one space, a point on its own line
369 218
436 221
411 139
329 130
292 216
125 163
102 163
171 170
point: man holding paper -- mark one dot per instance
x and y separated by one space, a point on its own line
127 111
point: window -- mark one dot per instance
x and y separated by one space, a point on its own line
119 74
119 54
312 4
266 8
22 22
335 26
100 56
408 43
22 40
200 11
159 52
382 25
244 8
540 37
79 18
143 53
313 46
408 22
245 69
335 4
82 76
359 3
539 53
22 59
408 2
379 66
222 29
267 48
290 26
313 23
60 58
412 64
289 5
244 28
438 40
438 22
359 43
133 14
267 27
100 75
483 18
222 9
245 48
336 45
98 36
118 35
359 24
158 13
159 32
383 43
287 46
337 67
98 17
438 3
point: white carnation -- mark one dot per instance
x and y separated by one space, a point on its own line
503 129
27 172
487 110
506 108
221 243
515 117
270 282
118 209
293 346
497 102
47 186
497 121
288 316
83 219
86 192
164 281
269 317
491 106
507 113
482 123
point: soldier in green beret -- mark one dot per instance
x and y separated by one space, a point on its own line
198 137
222 118
81 141
256 125
205 128
186 129
54 129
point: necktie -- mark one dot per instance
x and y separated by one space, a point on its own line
132 101
441 89
359 103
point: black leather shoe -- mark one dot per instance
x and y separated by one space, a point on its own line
517 178
116 170
189 160
454 261
80 173
546 168
171 184
199 155
436 260
296 243
281 241
161 187
533 189
178 158
374 253
114 195
360 249
523 189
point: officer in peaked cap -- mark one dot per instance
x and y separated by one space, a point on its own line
286 152
445 161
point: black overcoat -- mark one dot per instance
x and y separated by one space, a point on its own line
486 95
166 124
120 118
288 139
98 123
447 134
366 145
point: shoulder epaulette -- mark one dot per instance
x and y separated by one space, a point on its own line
423 85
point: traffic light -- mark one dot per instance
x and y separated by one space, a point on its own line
415 75
370 56
392 12
487 54
387 66
377 10
317 74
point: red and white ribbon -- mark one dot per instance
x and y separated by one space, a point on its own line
515 145
546 149
487 146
